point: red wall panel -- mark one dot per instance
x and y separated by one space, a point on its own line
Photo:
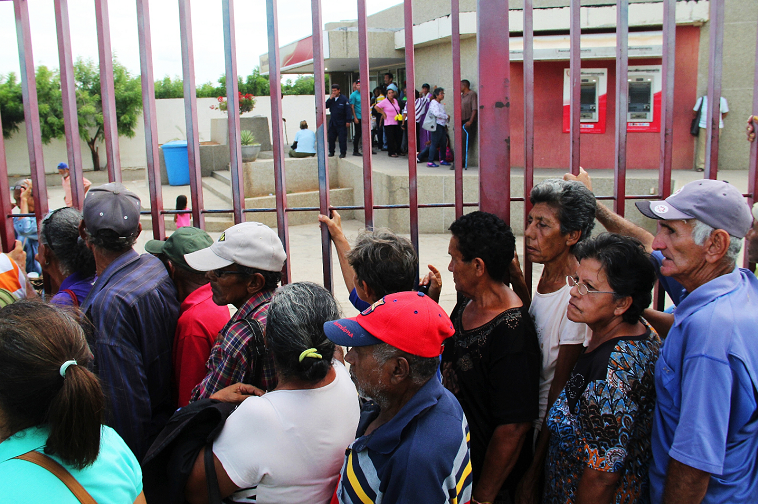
551 145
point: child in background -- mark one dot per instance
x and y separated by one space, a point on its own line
182 220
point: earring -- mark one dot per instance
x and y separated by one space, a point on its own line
47 263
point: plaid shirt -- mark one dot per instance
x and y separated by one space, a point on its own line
233 355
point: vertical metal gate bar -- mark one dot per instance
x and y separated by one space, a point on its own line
232 111
667 102
190 113
575 65
363 67
150 119
622 100
528 123
7 236
715 55
752 181
68 93
410 125
494 107
31 107
107 93
277 126
455 17
668 70
323 167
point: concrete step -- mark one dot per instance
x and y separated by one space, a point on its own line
215 223
224 176
218 188
338 197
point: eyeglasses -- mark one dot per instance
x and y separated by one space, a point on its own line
220 273
582 288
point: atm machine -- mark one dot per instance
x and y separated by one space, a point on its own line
589 96
640 99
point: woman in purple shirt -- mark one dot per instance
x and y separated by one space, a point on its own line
65 259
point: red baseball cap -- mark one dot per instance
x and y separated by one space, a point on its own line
408 321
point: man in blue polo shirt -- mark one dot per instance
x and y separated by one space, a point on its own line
705 431
412 441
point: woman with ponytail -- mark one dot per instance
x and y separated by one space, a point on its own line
64 258
53 446
288 445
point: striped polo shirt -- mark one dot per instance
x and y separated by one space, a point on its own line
11 277
420 455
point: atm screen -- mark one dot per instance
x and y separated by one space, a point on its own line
640 99
588 103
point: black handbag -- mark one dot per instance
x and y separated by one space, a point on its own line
695 124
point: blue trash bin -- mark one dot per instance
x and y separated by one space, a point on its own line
177 162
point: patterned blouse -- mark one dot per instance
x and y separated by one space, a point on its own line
603 420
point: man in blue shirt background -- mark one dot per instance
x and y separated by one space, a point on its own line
705 431
355 104
133 308
341 116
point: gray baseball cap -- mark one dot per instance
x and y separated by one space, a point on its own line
250 244
111 206
714 202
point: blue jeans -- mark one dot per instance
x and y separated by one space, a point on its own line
439 141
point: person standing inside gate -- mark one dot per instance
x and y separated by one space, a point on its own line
341 117
355 106
469 110
701 107
65 174
392 118
439 135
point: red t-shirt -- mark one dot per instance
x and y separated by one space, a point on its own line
200 321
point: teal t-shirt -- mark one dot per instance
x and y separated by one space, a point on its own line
114 478
355 100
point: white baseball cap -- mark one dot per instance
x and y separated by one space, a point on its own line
250 244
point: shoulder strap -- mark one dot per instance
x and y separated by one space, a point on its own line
61 473
214 492
74 299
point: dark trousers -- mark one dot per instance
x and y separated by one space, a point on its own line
358 136
335 130
393 134
439 141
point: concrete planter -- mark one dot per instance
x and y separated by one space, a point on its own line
250 152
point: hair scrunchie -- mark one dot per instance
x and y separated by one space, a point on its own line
65 366
311 352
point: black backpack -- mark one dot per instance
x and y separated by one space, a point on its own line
169 460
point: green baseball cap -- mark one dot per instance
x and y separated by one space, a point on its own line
185 240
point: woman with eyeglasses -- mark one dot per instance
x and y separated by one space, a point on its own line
65 259
600 426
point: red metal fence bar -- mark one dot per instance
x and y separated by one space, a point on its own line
410 125
575 65
752 180
455 17
31 108
150 118
494 107
107 93
323 167
622 100
232 111
667 102
716 51
68 92
528 123
277 127
7 236
363 67
190 113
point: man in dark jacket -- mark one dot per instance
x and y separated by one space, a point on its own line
341 117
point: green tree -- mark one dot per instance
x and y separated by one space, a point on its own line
168 88
128 94
11 105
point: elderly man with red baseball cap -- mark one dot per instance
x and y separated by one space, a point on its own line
706 379
412 443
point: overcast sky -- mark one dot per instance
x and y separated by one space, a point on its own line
250 23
